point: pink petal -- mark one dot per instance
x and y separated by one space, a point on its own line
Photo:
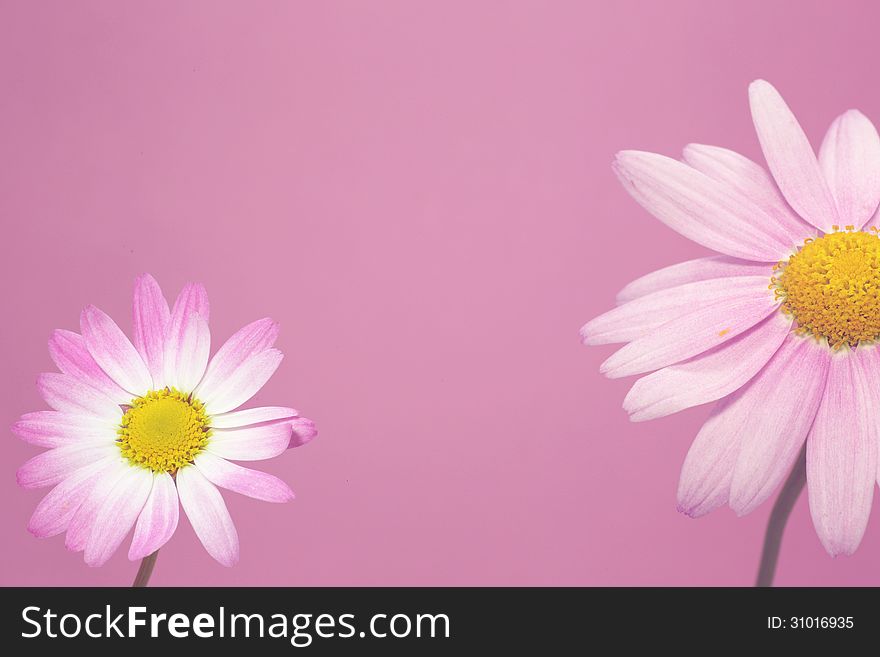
114 352
54 428
117 515
873 222
253 483
240 385
84 519
709 376
193 298
255 443
54 465
158 519
770 418
249 341
705 479
692 271
70 395
850 159
207 512
250 416
186 351
702 209
791 158
694 332
150 318
69 352
642 316
53 513
842 450
304 430
752 180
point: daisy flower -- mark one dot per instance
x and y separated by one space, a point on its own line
137 426
780 328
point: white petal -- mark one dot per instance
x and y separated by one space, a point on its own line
640 317
157 520
791 158
850 160
701 208
692 333
241 384
114 352
207 512
709 376
117 515
842 450
771 416
692 271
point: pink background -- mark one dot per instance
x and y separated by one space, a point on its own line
421 194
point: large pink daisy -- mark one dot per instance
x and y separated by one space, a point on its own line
781 327
137 427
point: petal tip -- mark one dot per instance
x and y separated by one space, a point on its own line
303 430
584 334
760 85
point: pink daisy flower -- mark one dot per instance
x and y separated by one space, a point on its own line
137 427
781 328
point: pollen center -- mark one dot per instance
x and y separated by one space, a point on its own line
830 287
163 430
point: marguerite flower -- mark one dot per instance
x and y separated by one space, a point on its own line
137 427
782 327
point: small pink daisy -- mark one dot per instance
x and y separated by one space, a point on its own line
135 427
781 328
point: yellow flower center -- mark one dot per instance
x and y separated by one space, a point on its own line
163 430
831 287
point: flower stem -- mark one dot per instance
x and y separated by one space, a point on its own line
146 569
789 494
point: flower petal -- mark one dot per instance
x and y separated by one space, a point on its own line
694 332
873 222
770 417
255 443
842 450
791 158
158 518
640 317
752 180
692 271
70 395
253 483
249 341
54 429
701 208
187 348
207 512
250 416
304 430
117 515
53 513
114 352
242 384
193 298
850 159
69 352
84 519
54 465
704 484
709 376
150 318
